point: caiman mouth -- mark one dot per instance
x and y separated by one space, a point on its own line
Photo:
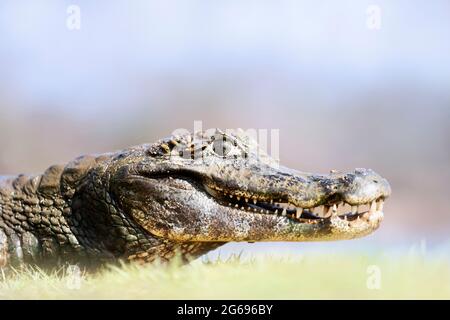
192 206
279 207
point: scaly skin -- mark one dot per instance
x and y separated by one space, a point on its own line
187 194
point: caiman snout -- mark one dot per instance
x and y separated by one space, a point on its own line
363 186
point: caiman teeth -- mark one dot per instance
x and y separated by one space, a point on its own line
326 209
380 205
298 213
265 205
334 209
372 207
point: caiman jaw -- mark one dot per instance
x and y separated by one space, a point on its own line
277 207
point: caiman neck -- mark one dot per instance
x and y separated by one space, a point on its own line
33 219
37 223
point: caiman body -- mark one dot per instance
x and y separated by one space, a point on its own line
187 194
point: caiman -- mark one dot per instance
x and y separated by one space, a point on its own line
186 194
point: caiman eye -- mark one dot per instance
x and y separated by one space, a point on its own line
222 147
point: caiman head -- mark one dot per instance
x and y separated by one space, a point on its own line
217 188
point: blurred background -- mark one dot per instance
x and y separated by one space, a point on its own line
348 84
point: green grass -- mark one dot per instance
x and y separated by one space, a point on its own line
309 277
